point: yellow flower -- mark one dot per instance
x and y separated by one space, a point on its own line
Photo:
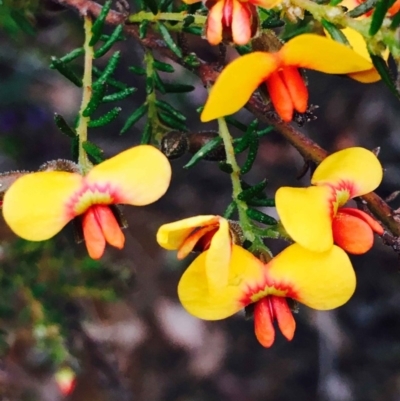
279 71
202 233
233 20
322 281
315 217
38 205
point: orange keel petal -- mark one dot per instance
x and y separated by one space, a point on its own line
241 23
214 27
364 216
283 316
109 225
263 322
280 96
353 230
296 87
93 234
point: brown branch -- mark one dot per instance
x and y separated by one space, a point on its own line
208 73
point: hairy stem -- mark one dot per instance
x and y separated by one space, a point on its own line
82 128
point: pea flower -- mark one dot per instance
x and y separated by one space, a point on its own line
315 217
38 205
322 281
202 233
358 43
234 20
280 72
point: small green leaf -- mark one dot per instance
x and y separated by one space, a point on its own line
115 36
335 33
143 28
362 8
110 67
382 7
253 149
188 20
98 91
225 167
65 70
171 110
236 123
230 210
159 65
159 83
242 50
63 126
152 5
99 23
147 133
385 73
171 121
72 55
194 30
111 81
75 148
203 151
272 23
94 151
107 118
137 70
261 217
192 60
134 117
265 131
119 95
149 85
269 202
168 40
253 191
177 88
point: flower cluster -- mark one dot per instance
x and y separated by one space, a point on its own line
314 271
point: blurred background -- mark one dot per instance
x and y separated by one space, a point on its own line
117 323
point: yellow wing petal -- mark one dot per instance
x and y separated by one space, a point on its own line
320 280
359 45
138 176
194 293
172 235
266 3
218 257
36 205
357 167
306 214
322 54
236 83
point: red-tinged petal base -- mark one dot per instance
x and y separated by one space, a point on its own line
100 226
353 230
198 240
266 310
288 92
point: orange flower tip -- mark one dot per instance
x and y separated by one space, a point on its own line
100 226
268 309
353 230
263 323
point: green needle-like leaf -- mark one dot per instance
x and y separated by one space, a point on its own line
169 41
99 23
65 70
134 117
382 7
94 151
107 118
63 126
